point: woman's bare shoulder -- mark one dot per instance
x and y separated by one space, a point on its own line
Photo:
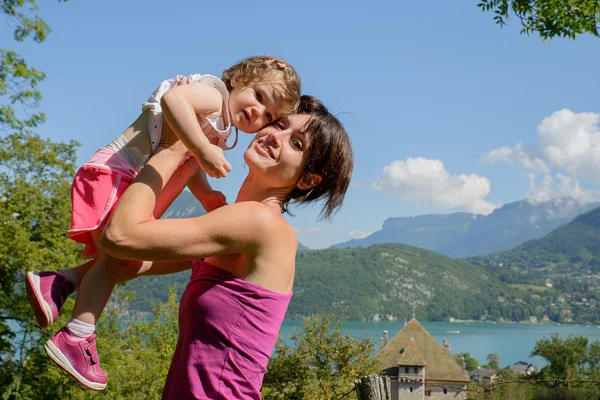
266 221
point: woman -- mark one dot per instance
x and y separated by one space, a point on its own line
244 254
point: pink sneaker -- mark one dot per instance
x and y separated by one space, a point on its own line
78 358
47 292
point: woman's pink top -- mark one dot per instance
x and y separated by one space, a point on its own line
227 331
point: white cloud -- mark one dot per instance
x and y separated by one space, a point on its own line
309 230
566 141
424 181
565 186
358 234
541 193
517 155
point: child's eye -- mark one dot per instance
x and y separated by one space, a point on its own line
259 96
269 117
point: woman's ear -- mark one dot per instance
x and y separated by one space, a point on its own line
309 181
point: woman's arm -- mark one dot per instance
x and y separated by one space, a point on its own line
175 186
211 199
245 228
180 106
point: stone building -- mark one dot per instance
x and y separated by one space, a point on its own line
415 362
523 367
484 375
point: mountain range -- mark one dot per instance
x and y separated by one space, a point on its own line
464 234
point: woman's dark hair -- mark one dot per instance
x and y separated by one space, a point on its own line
330 156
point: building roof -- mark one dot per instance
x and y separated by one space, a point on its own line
483 372
440 366
410 356
520 366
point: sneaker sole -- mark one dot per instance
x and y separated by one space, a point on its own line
59 359
41 309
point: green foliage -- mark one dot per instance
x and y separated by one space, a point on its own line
35 177
493 361
322 364
471 362
571 354
18 80
136 352
568 357
150 289
512 391
549 18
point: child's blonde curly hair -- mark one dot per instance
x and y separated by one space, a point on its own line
265 69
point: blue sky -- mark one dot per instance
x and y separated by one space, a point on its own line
435 96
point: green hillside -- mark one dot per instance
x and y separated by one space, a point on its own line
385 281
571 249
566 261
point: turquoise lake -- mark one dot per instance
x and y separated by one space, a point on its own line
513 342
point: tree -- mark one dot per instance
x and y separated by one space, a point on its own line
549 18
493 361
471 362
322 364
35 176
571 354
18 81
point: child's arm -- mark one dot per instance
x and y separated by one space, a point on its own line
180 106
200 188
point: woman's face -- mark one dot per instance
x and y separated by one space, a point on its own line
278 152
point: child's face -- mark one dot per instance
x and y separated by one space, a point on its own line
253 107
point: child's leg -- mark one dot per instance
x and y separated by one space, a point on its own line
47 291
73 348
97 285
80 270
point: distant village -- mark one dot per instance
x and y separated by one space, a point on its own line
419 367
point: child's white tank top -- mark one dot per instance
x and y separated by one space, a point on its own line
220 132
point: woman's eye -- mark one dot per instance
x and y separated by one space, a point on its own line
269 117
280 125
296 144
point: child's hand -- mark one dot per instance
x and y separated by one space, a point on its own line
213 162
213 199
182 80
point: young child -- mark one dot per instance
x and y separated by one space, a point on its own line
250 95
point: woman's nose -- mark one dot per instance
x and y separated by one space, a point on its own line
274 139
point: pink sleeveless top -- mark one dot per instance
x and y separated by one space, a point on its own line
227 331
